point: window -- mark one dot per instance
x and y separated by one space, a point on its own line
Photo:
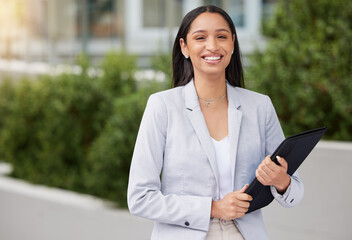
235 8
236 12
102 18
161 13
99 17
154 13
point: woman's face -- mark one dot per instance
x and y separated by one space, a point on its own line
209 45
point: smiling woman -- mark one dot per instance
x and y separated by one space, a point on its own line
209 46
207 138
207 28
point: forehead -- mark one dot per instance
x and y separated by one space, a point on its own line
209 21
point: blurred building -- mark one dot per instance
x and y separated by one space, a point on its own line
57 30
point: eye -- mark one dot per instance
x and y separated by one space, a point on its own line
200 38
222 36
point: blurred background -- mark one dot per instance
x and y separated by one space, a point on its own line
75 76
56 31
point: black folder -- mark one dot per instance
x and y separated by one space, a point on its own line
294 149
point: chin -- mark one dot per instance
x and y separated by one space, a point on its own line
214 70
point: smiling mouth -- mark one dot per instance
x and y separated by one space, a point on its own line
212 59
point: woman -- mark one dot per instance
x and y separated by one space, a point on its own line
201 142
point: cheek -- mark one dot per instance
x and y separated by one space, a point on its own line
195 48
230 47
228 58
194 51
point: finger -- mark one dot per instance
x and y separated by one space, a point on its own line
244 197
274 168
269 169
269 166
261 179
262 174
244 188
267 159
282 162
241 209
243 204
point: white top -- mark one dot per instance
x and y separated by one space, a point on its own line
222 151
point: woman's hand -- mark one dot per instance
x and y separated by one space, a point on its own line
233 205
268 173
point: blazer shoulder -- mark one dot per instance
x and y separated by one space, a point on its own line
169 93
170 97
249 97
249 93
157 109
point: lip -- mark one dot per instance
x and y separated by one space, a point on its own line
212 58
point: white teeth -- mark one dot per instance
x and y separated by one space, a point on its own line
212 58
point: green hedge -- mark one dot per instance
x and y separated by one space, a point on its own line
306 67
109 159
7 92
75 131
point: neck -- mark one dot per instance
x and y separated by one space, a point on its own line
210 87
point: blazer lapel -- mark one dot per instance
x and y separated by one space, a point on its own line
197 120
234 126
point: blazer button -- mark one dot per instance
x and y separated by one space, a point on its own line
187 223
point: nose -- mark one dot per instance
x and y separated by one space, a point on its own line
212 44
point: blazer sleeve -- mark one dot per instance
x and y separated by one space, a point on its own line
273 138
145 198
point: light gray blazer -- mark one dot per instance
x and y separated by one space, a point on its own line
174 175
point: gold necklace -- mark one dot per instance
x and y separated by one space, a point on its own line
209 101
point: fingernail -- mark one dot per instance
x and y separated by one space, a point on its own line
278 158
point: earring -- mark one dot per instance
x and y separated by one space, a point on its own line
232 52
186 56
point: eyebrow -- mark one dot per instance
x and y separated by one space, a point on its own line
218 30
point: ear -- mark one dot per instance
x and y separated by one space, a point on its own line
184 48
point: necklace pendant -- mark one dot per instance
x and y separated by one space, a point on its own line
208 101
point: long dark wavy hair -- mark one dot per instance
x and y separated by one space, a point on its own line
182 68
